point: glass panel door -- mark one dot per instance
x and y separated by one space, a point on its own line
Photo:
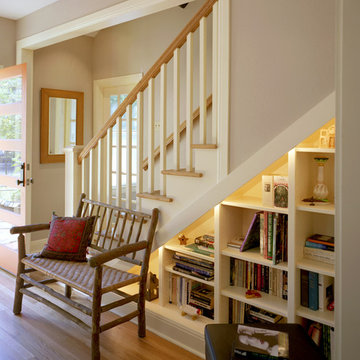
12 160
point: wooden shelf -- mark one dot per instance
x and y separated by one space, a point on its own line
267 302
324 317
316 150
328 209
316 266
253 203
182 249
172 313
253 255
169 268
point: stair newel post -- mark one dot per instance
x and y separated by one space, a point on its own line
72 179
128 156
118 161
151 136
163 79
176 108
202 80
85 175
140 148
189 101
92 168
215 34
109 165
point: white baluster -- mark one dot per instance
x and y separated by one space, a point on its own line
163 79
140 148
128 156
176 109
109 165
215 65
189 101
92 169
151 136
85 175
202 67
118 162
100 176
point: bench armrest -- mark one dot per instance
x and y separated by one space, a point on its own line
29 228
106 256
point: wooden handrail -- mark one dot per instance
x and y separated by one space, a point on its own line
179 41
182 127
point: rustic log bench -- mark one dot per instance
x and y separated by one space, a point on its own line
118 234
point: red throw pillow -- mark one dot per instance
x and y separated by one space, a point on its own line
68 238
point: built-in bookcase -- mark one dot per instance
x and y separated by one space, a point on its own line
232 217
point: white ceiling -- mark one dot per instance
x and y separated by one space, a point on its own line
16 9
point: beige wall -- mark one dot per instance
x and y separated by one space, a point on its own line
7 42
282 64
348 173
133 47
65 66
58 13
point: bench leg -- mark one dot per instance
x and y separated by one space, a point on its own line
141 309
68 291
19 281
96 313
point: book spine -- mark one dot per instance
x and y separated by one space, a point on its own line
262 234
316 245
304 276
313 291
265 233
321 286
259 277
270 236
275 224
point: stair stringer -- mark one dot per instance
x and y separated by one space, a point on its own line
205 198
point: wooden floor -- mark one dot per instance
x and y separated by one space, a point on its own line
41 333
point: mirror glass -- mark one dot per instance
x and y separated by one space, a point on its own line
61 123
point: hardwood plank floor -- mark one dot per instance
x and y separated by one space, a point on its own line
41 333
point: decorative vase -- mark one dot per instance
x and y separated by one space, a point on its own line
320 191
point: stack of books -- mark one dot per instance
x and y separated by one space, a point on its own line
190 265
320 248
205 242
202 297
317 290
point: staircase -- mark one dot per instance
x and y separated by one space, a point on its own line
176 147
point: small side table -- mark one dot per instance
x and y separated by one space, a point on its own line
219 340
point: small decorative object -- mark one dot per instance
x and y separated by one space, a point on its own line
252 294
267 190
152 287
190 310
324 138
331 134
281 192
320 191
182 239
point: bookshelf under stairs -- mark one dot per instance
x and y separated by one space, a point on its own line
231 218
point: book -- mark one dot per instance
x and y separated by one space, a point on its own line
193 273
325 290
281 192
313 291
316 245
322 239
270 230
262 219
267 190
264 315
193 247
319 255
252 238
254 342
196 268
304 278
236 242
193 260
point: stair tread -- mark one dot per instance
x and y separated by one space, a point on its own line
154 196
181 172
204 146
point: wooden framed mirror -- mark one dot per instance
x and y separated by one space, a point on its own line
62 123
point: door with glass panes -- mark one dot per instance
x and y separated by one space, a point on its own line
12 160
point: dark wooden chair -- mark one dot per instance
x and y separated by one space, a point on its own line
118 234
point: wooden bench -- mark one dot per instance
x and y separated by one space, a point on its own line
118 234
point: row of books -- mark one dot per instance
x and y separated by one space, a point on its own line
268 231
322 335
240 312
320 248
184 291
317 290
191 265
258 277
